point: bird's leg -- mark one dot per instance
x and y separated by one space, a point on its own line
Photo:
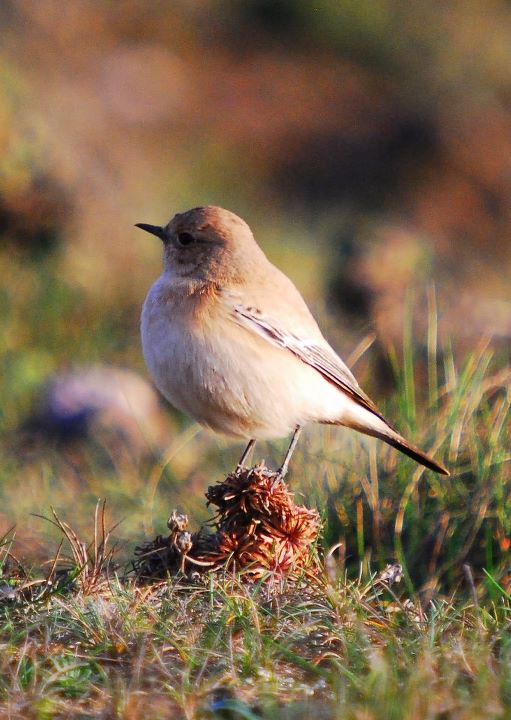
285 465
246 454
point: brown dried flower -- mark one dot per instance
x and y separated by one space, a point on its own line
259 530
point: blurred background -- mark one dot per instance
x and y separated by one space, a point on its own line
366 142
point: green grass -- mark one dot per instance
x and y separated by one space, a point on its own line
336 648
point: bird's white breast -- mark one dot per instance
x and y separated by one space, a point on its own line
223 375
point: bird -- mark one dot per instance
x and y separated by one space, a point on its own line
229 340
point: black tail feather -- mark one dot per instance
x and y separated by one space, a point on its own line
414 452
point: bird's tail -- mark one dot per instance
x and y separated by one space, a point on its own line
393 438
377 427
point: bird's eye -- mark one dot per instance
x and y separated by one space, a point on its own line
185 238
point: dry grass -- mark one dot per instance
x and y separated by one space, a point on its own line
224 647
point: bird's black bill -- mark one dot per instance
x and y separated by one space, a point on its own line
153 229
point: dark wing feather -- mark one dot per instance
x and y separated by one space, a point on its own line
320 357
323 358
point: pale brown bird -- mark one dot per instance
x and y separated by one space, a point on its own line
229 340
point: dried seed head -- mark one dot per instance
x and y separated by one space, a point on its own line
177 522
259 530
183 542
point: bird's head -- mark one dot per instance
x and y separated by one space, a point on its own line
208 244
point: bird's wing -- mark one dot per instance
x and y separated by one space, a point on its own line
321 357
